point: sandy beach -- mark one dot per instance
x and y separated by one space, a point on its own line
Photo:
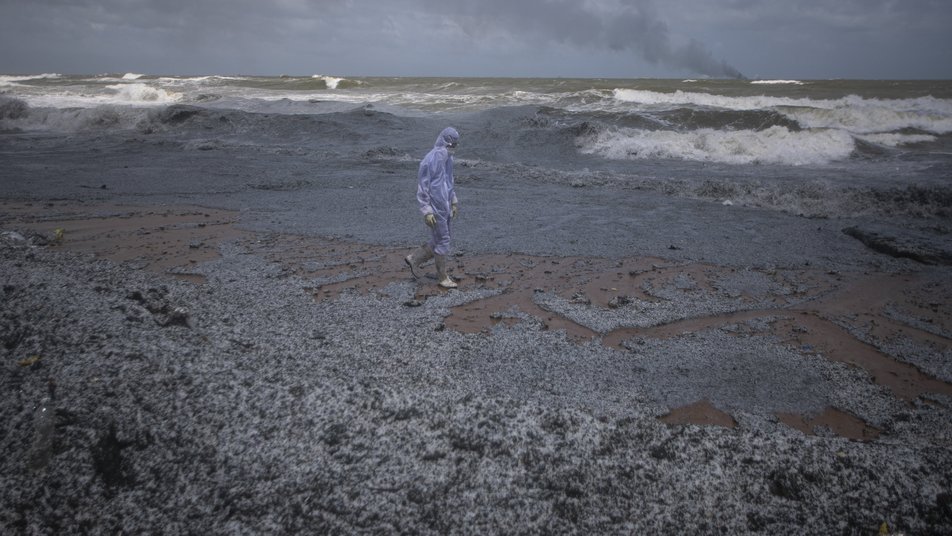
166 366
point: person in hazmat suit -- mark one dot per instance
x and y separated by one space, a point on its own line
438 203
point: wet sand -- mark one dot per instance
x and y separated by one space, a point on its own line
156 240
809 320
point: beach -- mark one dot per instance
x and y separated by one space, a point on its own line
208 325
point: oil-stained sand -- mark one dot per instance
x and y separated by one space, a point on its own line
158 239
841 316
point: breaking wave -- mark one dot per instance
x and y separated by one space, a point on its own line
70 119
851 113
890 139
777 82
775 145
7 80
783 122
139 93
330 81
862 116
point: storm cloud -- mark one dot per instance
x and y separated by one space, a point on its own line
592 38
631 25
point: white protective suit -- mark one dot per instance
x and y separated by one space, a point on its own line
435 191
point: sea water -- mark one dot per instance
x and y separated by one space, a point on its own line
793 145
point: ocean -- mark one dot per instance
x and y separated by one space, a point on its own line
822 148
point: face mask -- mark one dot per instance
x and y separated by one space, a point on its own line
451 150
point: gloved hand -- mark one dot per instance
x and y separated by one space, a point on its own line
454 210
430 220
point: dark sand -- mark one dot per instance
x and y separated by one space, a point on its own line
203 376
169 240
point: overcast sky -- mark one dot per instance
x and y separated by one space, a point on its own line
569 38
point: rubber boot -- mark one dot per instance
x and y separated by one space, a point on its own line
415 259
445 280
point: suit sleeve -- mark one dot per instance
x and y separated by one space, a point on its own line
425 180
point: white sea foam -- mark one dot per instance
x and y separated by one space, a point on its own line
641 98
132 76
142 94
330 81
867 116
7 80
205 78
891 139
775 145
197 83
777 82
852 113
124 94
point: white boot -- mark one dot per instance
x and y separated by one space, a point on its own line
415 259
445 280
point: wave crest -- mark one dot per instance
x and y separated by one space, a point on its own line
15 80
854 114
777 82
775 145
862 116
330 81
139 93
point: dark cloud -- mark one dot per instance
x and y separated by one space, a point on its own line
823 39
631 25
160 36
778 38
